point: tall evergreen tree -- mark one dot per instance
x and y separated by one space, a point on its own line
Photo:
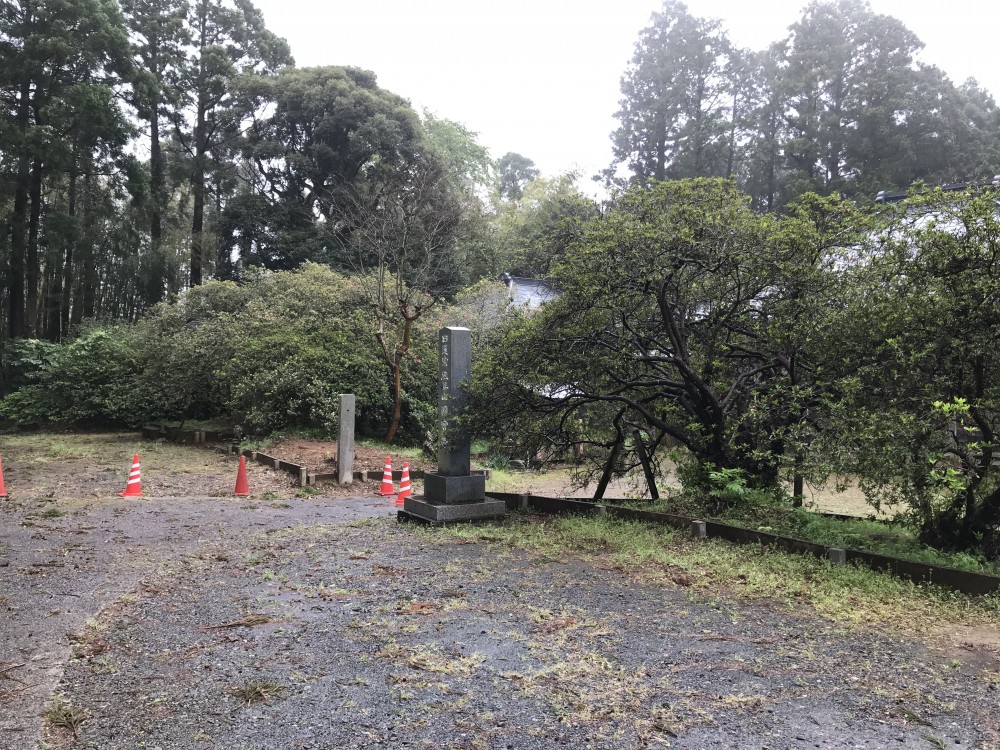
675 96
158 36
229 39
61 59
514 173
847 74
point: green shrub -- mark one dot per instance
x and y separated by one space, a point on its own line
287 379
86 382
181 347
21 360
272 354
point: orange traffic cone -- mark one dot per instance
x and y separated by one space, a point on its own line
387 479
3 491
404 481
242 487
399 499
134 486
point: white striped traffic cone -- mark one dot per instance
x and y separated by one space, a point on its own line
404 485
134 486
387 479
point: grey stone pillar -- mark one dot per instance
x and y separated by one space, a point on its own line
454 369
453 493
345 440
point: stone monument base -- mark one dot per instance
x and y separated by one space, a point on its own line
467 489
435 512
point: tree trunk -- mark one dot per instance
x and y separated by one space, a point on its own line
647 469
59 260
798 482
67 281
156 266
772 158
198 174
89 278
198 220
53 297
660 167
397 403
609 468
731 161
396 371
33 267
19 223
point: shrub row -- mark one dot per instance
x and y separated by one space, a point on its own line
273 353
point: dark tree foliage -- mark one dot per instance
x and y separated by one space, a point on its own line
59 64
327 131
685 316
839 105
920 356
514 172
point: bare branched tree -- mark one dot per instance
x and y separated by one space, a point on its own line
402 239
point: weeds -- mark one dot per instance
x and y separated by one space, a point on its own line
844 593
258 691
59 450
772 514
430 658
395 450
250 621
61 714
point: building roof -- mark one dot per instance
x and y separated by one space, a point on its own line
529 293
894 196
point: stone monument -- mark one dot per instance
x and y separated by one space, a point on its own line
345 440
453 493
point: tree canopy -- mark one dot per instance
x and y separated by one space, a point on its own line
839 105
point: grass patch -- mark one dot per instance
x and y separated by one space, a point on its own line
43 447
504 480
265 443
393 450
64 716
107 447
258 691
897 538
661 554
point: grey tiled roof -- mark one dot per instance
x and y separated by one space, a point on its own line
529 293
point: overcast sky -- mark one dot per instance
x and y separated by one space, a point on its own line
541 77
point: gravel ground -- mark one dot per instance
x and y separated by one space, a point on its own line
58 574
203 624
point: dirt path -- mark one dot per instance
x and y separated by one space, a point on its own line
162 621
58 574
362 633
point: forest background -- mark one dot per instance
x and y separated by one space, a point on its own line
194 227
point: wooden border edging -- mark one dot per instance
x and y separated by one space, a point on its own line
175 435
299 472
966 581
312 478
